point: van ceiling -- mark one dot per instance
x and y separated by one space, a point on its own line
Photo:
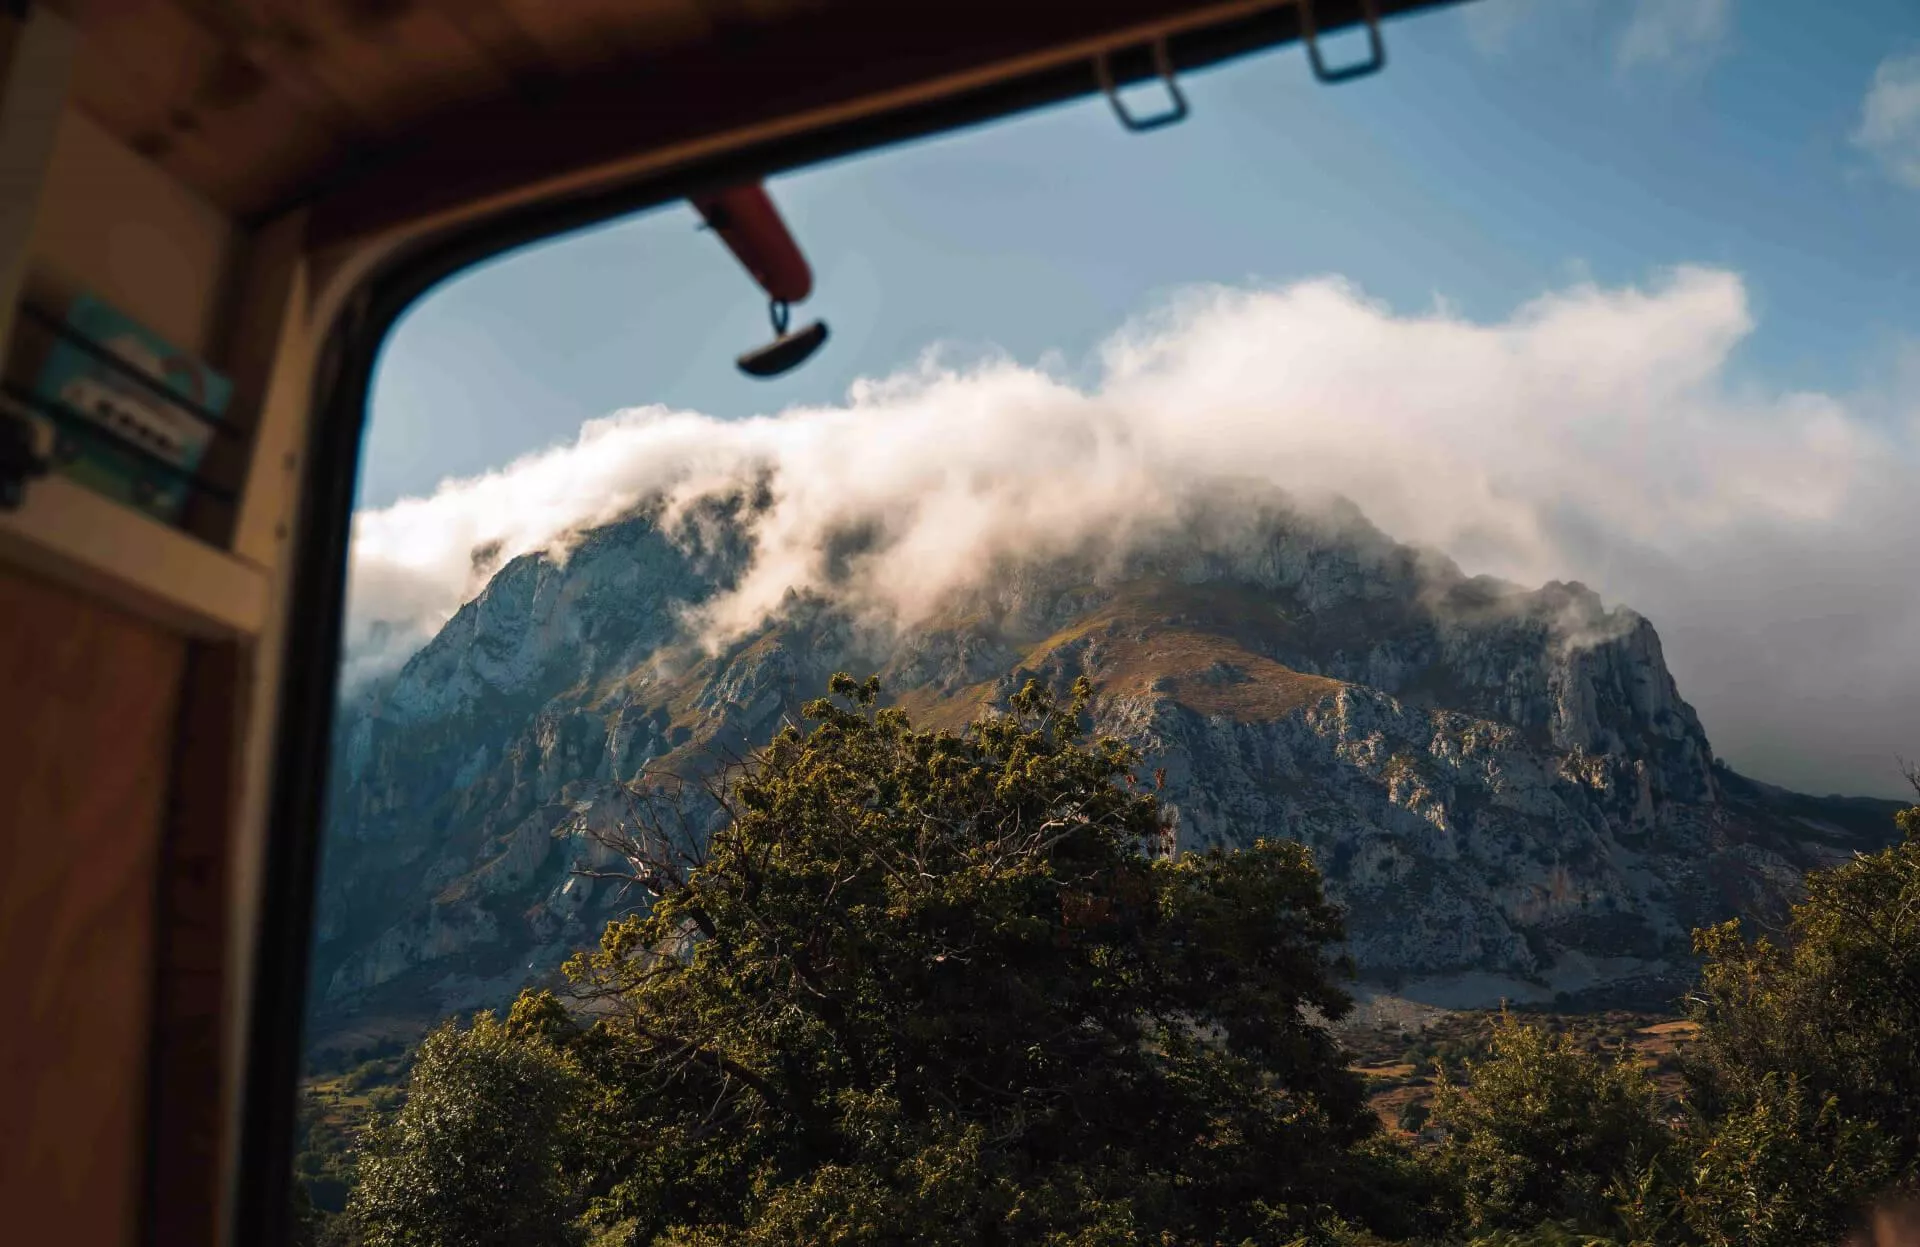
387 111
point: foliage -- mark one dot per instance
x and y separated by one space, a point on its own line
1836 1009
1780 1170
933 988
323 1162
1388 1192
1543 1131
1548 1234
474 1157
329 1122
918 987
305 1221
1807 1074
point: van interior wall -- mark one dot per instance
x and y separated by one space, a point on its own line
119 758
121 737
86 747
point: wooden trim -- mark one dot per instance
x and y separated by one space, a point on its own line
66 532
263 344
187 1088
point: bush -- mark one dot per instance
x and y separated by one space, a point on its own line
472 1159
1829 1020
1543 1130
1806 1076
1782 1170
935 988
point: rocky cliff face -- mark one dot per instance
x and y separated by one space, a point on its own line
1503 786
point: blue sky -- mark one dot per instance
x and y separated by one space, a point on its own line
1512 147
1629 293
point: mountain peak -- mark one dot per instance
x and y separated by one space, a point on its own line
1496 780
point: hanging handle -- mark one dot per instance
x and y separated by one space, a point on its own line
1176 110
1376 47
747 221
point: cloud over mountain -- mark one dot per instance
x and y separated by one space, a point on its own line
1593 434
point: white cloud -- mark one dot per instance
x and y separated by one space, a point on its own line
1593 434
1889 126
1674 32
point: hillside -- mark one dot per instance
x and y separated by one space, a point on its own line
1503 786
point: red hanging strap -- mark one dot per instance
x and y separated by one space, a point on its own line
750 225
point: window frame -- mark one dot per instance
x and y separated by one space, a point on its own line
261 1172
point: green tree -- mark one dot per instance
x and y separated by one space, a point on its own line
1547 1235
1807 1074
1836 1007
924 987
305 1222
1543 1131
475 1156
1781 1170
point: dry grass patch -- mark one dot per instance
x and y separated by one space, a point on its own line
1194 644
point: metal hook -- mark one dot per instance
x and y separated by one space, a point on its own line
778 311
1161 63
1376 47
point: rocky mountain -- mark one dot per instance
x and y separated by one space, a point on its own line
1503 786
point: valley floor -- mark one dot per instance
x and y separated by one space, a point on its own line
1402 1048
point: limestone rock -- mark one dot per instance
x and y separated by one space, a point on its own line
1503 786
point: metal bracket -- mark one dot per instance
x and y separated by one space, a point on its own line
1162 63
1376 48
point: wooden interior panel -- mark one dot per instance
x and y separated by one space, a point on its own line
176 83
264 105
506 44
592 32
416 61
91 701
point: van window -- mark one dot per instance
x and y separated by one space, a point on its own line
1342 596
